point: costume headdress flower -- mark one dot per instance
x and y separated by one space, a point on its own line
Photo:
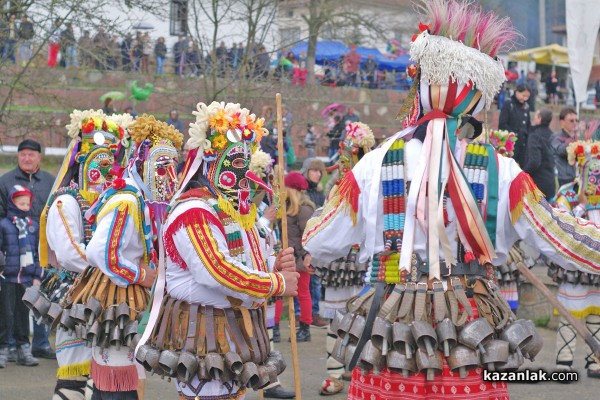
222 142
98 142
503 141
580 152
585 156
358 141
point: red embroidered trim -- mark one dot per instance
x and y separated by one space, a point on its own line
188 218
115 236
224 272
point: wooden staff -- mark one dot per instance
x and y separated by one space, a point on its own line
577 324
284 243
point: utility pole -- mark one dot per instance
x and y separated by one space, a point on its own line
542 13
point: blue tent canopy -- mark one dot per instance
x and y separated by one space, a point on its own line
399 63
327 51
330 51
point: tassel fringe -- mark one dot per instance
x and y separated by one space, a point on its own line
72 370
90 197
349 191
114 379
522 189
247 221
127 206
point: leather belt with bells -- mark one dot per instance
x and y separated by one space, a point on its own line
366 335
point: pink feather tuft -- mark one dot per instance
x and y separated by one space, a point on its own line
464 21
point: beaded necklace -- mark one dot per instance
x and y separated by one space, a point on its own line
475 169
384 265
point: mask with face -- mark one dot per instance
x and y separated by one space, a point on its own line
153 161
224 138
99 144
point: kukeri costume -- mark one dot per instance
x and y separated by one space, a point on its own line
108 299
436 214
343 278
97 148
579 291
209 330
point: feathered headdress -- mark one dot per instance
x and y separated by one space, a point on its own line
460 41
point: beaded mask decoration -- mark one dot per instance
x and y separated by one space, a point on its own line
585 156
98 141
153 162
222 141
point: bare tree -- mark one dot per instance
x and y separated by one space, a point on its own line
212 22
344 20
25 78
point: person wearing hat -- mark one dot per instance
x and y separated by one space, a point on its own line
27 173
94 158
578 293
343 278
122 252
313 171
18 242
299 210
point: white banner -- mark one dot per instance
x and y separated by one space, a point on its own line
583 22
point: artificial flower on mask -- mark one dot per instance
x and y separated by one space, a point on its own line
226 137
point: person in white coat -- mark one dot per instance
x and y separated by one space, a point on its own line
219 265
123 254
436 214
95 152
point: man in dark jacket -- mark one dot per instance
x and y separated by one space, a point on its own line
560 142
28 174
539 162
514 117
18 243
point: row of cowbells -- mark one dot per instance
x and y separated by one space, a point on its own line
44 310
342 272
507 273
560 275
212 366
419 347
